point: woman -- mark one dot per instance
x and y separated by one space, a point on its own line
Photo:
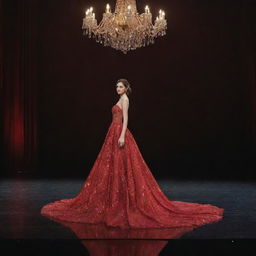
121 191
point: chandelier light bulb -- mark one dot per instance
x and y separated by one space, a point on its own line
147 9
160 13
124 29
108 8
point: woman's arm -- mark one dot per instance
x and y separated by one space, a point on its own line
125 106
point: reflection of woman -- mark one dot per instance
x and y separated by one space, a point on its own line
120 189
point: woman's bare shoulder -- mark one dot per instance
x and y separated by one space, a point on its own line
125 102
125 99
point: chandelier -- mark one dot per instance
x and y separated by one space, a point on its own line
124 29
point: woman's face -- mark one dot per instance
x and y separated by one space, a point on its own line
120 88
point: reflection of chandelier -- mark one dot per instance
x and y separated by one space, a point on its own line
125 29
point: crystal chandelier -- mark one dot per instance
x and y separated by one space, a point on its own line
125 29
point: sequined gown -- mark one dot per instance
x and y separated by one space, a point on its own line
121 191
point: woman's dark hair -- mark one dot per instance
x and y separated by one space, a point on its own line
126 84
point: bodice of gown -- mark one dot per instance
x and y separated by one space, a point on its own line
117 114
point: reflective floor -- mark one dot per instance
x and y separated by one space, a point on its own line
22 224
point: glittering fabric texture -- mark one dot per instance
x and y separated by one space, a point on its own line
121 191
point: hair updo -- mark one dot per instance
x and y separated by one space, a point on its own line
126 84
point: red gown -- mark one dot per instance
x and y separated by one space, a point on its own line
120 191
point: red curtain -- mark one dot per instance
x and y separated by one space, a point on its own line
1 47
19 84
1 80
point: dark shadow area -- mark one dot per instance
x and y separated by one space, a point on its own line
198 247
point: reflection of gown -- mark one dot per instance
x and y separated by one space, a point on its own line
100 231
124 247
121 191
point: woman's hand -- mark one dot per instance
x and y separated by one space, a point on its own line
121 141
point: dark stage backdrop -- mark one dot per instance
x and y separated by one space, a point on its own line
192 111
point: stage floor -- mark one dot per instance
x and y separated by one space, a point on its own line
21 200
